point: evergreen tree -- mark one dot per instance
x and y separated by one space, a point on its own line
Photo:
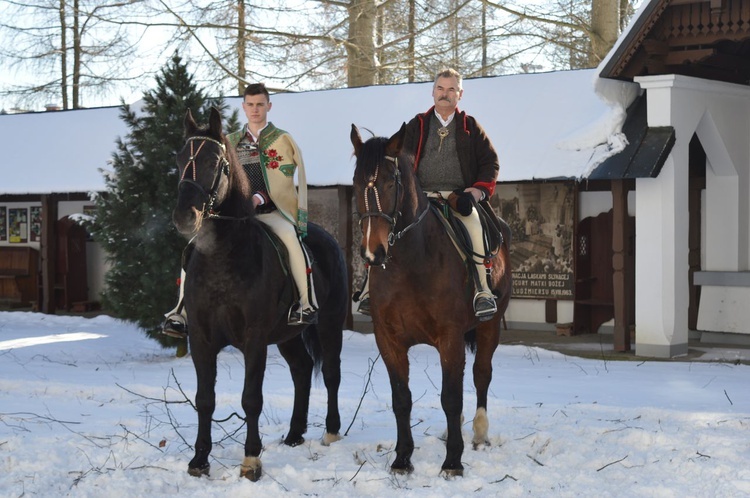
134 216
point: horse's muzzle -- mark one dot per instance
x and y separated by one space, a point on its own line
187 216
187 221
376 257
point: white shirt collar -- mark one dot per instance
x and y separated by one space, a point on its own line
247 130
444 122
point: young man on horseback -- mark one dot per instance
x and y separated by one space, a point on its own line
270 157
453 155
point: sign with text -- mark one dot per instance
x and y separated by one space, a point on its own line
541 217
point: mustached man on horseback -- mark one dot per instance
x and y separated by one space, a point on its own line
454 159
270 158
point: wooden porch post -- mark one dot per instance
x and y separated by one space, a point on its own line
48 243
621 339
345 240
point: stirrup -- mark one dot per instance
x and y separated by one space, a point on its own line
298 316
364 306
175 326
484 306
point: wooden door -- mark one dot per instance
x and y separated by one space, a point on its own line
71 281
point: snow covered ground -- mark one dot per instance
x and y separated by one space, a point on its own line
91 407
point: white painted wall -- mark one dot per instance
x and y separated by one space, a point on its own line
719 113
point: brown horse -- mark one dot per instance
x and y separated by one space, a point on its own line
421 293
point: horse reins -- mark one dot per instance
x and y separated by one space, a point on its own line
392 219
222 166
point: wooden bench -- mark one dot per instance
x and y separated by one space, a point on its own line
19 273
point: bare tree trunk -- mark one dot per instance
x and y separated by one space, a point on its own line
63 56
412 28
605 28
379 37
454 37
241 47
76 55
361 44
484 39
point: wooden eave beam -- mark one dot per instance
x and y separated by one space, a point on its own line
678 57
715 4
737 64
655 47
708 72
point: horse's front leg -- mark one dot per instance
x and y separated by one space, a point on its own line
205 403
453 361
397 362
329 332
488 336
301 367
252 402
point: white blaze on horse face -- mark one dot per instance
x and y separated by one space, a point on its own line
368 232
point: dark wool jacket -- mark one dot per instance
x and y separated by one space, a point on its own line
477 156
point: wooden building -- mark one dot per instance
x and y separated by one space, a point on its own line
627 185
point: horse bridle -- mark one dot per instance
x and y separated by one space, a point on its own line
392 219
221 167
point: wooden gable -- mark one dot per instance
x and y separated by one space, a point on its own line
706 39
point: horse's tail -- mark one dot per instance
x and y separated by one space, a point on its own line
470 338
311 338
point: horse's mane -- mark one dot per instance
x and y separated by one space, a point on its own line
239 183
373 154
236 171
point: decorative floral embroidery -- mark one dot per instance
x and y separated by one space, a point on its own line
272 158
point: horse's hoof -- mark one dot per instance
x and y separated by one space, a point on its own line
251 474
402 469
199 471
294 441
329 438
480 444
251 468
451 473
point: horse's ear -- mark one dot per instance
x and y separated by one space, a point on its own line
214 122
396 142
356 139
190 125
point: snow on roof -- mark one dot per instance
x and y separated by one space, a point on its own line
544 126
57 151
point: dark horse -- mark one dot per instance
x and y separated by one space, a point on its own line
421 293
237 292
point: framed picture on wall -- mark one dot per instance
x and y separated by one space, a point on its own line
35 232
3 224
541 217
18 225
